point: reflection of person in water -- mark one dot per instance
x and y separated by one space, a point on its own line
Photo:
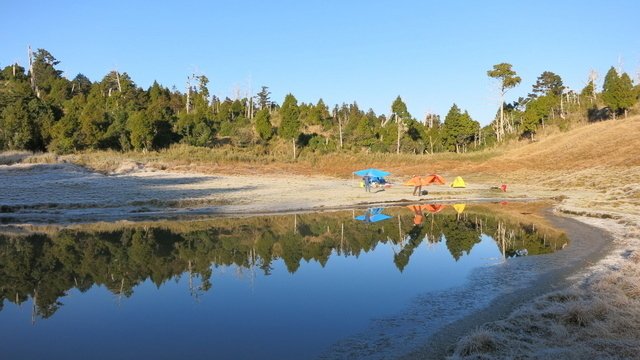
414 237
417 217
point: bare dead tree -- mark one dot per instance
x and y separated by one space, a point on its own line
593 76
118 81
337 116
399 123
188 91
34 85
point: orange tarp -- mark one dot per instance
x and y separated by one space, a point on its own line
425 180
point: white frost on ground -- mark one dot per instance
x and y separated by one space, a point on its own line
65 192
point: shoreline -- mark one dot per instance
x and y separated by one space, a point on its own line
68 193
582 237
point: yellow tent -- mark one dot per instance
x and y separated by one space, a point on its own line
458 183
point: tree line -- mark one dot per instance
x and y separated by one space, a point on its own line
44 267
41 110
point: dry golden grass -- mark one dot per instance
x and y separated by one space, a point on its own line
590 156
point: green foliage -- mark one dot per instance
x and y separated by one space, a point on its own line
264 101
537 111
141 131
617 91
289 113
65 135
547 83
25 125
399 109
506 75
80 85
194 129
459 129
114 113
263 124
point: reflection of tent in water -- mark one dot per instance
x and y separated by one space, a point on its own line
373 215
433 208
459 208
418 211
458 183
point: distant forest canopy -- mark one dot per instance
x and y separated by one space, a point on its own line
41 110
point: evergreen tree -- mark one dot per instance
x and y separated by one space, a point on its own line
263 124
459 129
537 111
290 120
264 102
628 95
401 116
65 135
140 129
508 80
80 85
548 83
617 92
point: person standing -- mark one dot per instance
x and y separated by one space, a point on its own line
367 183
417 190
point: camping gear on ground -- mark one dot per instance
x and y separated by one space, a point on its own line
502 187
378 181
376 177
458 183
373 215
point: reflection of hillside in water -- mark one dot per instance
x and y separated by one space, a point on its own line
45 266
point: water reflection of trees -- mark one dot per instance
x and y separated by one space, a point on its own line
45 267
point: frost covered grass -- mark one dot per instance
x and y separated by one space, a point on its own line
12 157
596 318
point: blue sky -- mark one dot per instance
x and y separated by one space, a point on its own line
432 54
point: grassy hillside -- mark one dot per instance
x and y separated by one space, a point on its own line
608 143
595 156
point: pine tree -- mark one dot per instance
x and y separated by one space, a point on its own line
290 120
617 92
508 80
458 129
263 124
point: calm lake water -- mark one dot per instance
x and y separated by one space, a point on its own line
272 287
